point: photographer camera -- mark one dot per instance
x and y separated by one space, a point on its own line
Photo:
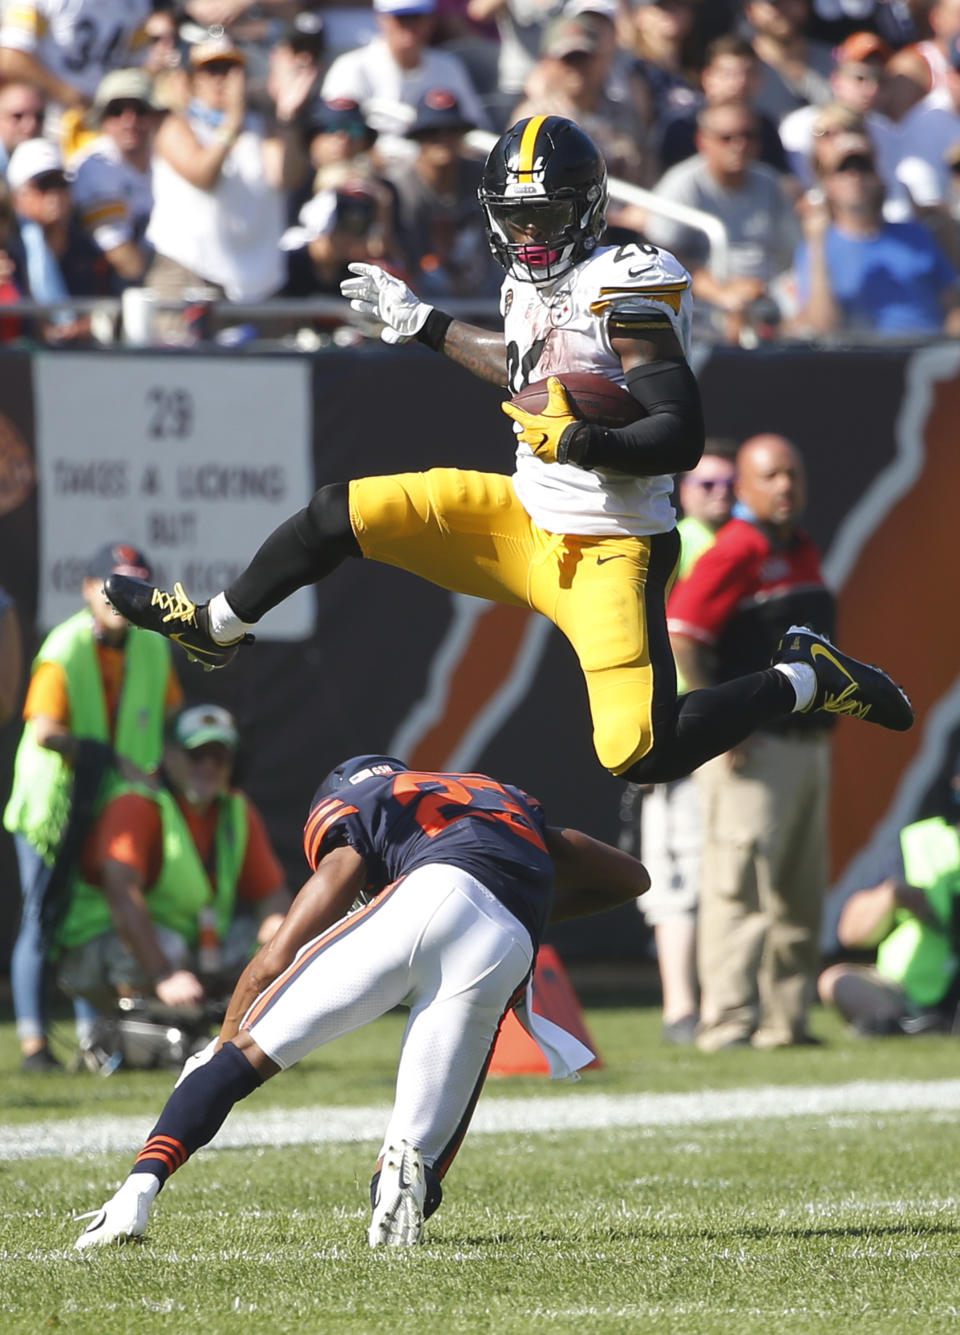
163 868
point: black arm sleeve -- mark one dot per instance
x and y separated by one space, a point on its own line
668 440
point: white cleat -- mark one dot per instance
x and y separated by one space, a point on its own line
123 1219
398 1212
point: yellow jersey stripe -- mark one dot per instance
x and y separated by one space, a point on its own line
101 213
528 142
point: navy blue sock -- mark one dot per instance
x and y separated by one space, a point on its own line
196 1110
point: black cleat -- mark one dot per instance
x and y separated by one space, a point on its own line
844 684
171 614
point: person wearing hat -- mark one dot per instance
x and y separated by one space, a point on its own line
389 75
856 82
99 692
218 178
571 79
166 872
61 260
339 143
112 181
440 229
65 47
910 918
857 271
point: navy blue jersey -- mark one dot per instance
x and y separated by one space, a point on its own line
398 822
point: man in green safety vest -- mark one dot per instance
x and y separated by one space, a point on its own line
912 918
155 908
99 692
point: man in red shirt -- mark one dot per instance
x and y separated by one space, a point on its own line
162 864
765 802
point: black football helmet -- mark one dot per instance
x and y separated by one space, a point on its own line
350 769
544 197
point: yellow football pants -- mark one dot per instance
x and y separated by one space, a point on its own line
469 533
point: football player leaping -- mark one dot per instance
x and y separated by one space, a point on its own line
584 531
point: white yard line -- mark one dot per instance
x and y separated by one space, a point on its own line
572 1112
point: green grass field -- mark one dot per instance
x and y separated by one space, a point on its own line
821 1221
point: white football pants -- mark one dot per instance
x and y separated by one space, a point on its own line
437 941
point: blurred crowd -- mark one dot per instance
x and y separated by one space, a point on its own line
224 149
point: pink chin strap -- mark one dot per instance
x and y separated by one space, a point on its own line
538 257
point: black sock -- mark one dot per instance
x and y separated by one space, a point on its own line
707 722
196 1110
304 549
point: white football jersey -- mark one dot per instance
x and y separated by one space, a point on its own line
78 40
564 327
113 199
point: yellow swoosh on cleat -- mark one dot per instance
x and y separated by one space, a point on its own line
821 651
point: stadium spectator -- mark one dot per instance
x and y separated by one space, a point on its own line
794 70
298 56
22 109
521 25
155 864
910 919
339 143
731 73
724 179
836 120
943 21
112 178
454 915
65 50
662 29
61 260
352 222
855 82
94 713
166 61
441 234
927 133
13 266
763 867
857 272
217 181
389 74
671 827
570 79
904 84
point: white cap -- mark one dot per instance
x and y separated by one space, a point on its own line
32 158
400 7
574 8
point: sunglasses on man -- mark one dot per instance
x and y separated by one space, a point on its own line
120 105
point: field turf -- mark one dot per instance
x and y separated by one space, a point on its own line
809 1221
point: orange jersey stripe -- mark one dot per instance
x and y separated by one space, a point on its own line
316 815
319 833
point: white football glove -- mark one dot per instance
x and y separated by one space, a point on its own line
198 1059
378 294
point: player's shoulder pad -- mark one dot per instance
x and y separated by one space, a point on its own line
637 276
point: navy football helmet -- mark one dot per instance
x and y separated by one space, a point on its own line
356 770
544 198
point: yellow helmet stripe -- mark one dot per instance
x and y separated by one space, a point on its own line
528 141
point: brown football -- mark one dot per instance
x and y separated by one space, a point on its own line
595 399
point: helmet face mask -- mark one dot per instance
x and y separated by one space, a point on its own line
544 196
